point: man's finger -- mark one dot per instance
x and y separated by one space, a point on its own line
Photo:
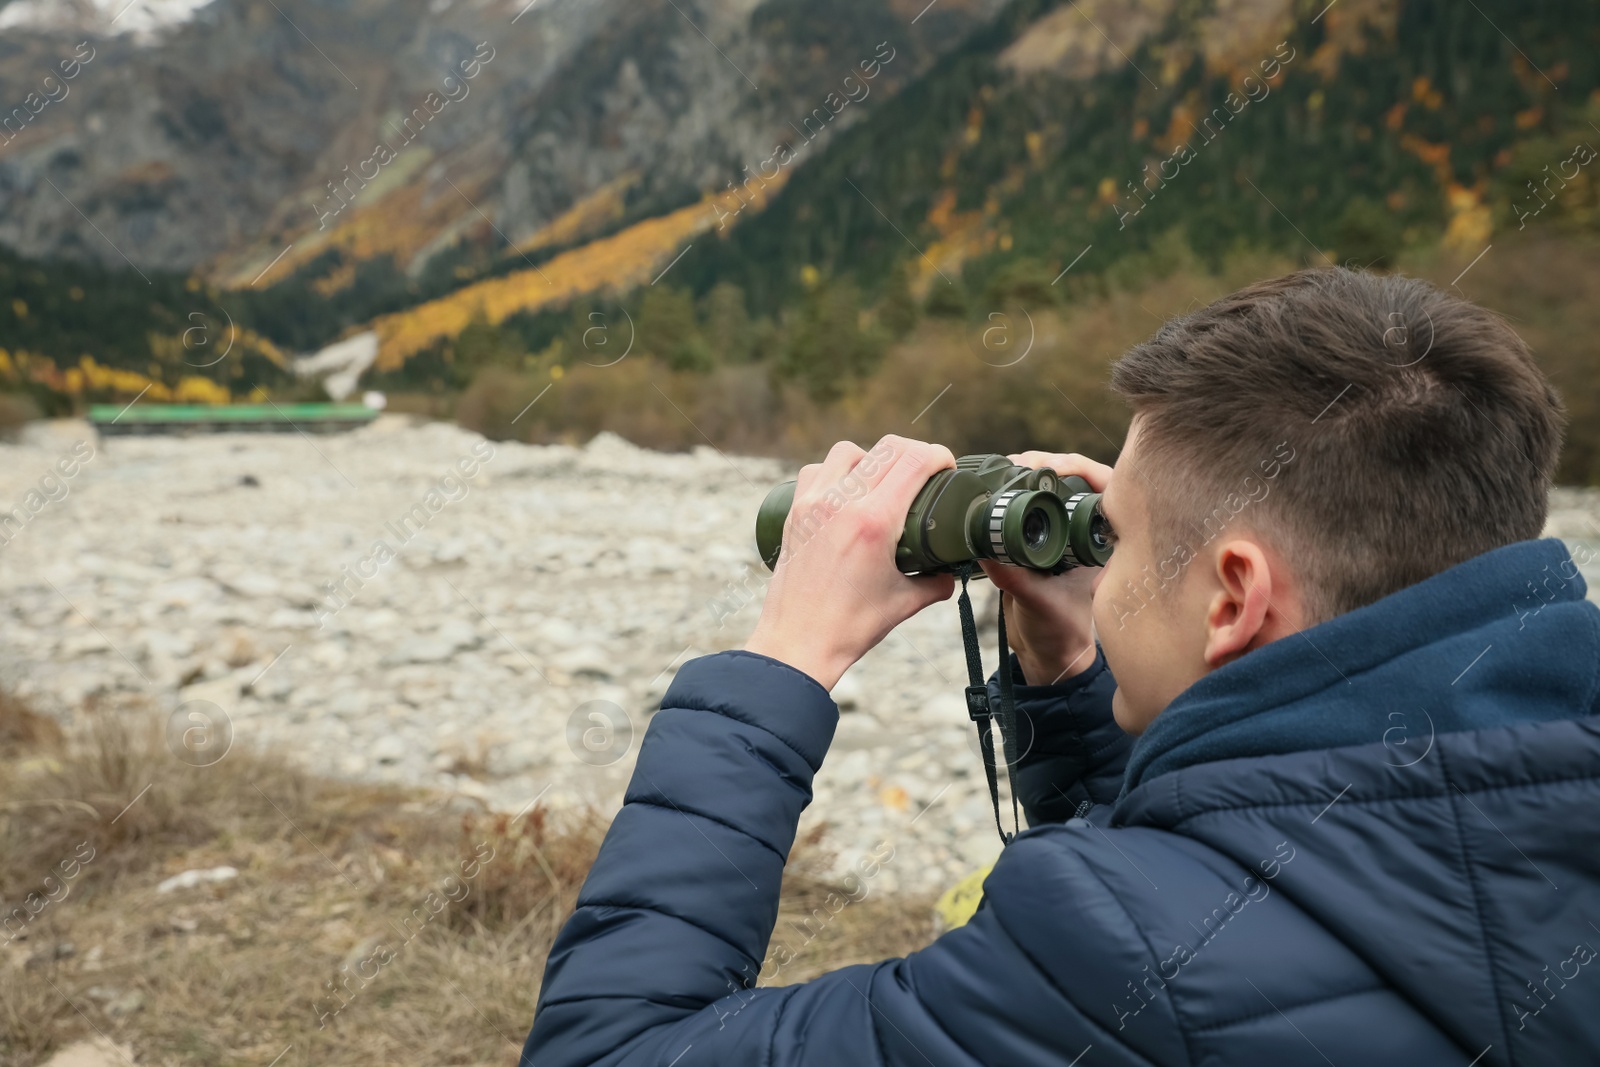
806 478
1006 579
932 589
914 463
841 458
1067 464
1017 581
874 465
817 479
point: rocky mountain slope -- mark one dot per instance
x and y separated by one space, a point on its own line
217 134
472 182
1340 133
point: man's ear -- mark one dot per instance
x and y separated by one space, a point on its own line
1241 608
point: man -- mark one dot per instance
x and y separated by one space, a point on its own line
1337 805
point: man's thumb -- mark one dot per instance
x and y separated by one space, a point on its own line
1006 579
935 588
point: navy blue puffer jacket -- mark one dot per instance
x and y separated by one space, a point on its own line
1376 842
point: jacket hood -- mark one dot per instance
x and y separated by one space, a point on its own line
1433 759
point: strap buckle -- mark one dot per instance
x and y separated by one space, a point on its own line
984 712
978 706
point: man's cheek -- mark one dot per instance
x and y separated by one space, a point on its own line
1099 605
1119 712
1111 624
1096 582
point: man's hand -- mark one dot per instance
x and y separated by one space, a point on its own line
1049 617
836 591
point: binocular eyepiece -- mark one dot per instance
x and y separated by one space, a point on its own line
985 508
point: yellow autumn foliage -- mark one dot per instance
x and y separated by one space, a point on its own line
403 219
624 260
1471 220
341 277
249 340
389 218
193 389
604 205
960 902
91 377
110 378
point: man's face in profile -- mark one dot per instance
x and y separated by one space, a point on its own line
1152 631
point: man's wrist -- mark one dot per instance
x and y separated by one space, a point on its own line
823 668
1037 670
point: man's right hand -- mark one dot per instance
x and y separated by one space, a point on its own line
1049 617
836 592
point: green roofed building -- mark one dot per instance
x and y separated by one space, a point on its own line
229 418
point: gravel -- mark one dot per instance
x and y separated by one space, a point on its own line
504 636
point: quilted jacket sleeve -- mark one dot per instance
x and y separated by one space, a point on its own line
1072 752
656 965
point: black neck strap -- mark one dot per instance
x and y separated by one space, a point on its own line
982 712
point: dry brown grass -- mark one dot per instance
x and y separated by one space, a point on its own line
15 413
21 725
332 894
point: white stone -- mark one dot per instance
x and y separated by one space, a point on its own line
197 877
518 757
96 1052
460 633
186 592
557 632
562 550
223 692
585 662
160 643
429 648
82 643
852 767
389 749
292 619
947 705
848 692
251 584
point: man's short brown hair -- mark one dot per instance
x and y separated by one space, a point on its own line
1422 432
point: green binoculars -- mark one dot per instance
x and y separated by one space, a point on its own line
985 508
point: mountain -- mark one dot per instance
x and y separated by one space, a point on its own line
147 21
180 178
780 190
1342 131
217 136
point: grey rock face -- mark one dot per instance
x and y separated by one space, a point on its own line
221 134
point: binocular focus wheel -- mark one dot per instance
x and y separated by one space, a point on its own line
997 514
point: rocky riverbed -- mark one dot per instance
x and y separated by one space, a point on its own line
412 603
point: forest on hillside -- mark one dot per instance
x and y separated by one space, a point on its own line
992 204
